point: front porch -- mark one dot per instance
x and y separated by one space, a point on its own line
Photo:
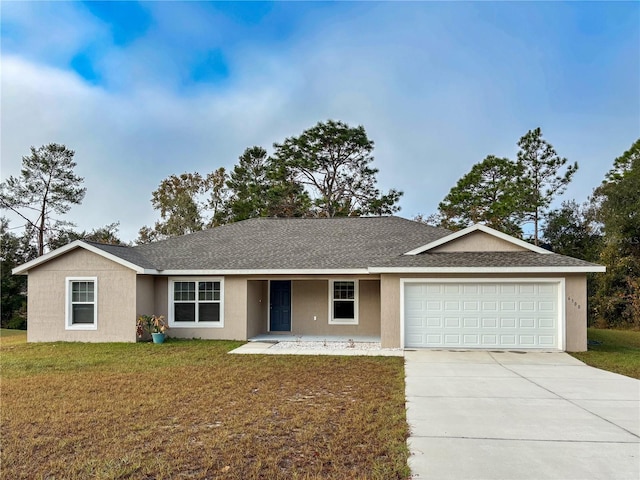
313 309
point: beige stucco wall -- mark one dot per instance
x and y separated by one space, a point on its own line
390 311
369 308
478 242
575 299
160 296
116 301
257 307
310 298
235 311
145 295
576 312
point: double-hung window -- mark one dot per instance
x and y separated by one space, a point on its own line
81 307
196 302
343 302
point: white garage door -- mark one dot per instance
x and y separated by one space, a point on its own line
500 315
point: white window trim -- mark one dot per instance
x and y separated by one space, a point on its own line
356 301
68 309
174 324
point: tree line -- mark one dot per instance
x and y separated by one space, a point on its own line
327 171
507 194
324 172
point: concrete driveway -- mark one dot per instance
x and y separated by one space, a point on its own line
510 415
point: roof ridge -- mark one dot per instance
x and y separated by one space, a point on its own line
321 218
93 242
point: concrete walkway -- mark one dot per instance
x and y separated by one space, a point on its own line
315 348
508 415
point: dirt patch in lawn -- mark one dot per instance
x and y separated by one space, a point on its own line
187 409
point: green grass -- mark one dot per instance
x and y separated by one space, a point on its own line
7 332
614 350
187 409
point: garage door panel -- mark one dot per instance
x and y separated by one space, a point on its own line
547 289
415 339
526 289
470 289
527 306
527 340
489 322
434 321
469 322
509 306
521 315
488 289
434 306
470 340
507 322
452 289
452 322
452 306
527 323
415 321
547 340
489 340
546 323
471 306
489 306
546 307
452 339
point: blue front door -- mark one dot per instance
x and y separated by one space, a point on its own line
280 306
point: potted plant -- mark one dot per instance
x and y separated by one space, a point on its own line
155 325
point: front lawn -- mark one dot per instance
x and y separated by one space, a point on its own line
614 350
8 332
187 409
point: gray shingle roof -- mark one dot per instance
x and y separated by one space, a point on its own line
292 243
319 244
129 254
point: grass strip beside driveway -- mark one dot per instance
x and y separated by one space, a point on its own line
187 409
613 350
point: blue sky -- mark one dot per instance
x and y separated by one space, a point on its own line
144 90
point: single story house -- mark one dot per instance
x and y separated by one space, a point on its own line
407 283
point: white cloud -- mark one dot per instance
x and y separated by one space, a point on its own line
431 102
53 32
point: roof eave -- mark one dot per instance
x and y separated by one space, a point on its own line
265 271
486 270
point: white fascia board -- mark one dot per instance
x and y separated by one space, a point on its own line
311 271
474 270
475 228
24 268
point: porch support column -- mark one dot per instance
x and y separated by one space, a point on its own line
390 311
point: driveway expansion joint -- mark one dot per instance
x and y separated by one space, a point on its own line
561 397
498 439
